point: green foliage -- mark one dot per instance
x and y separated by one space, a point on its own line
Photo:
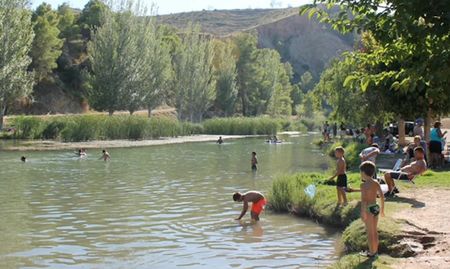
322 207
47 45
121 53
352 151
246 46
225 74
101 127
194 85
53 130
15 80
27 127
355 236
91 16
407 61
67 26
242 126
263 81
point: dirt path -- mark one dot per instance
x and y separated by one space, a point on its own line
427 228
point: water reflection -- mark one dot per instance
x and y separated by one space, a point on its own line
158 207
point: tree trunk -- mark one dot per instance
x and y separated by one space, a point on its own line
110 112
149 111
427 125
2 115
401 132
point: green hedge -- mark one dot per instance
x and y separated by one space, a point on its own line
244 126
100 127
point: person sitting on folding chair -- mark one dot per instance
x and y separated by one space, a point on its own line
408 172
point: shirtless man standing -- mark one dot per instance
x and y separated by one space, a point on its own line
408 172
256 198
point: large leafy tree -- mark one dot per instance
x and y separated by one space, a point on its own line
246 47
111 58
16 37
47 45
91 16
67 22
225 74
194 75
412 58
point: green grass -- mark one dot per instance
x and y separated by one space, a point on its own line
76 128
323 208
244 126
355 261
100 127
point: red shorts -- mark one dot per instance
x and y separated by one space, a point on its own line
258 207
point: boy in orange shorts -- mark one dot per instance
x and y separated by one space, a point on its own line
256 198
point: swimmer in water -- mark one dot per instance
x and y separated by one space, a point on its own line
23 159
105 156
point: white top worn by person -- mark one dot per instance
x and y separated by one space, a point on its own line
370 153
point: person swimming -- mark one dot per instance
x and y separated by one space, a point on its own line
105 156
23 159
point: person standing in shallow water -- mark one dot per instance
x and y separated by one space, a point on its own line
258 203
105 156
220 141
254 162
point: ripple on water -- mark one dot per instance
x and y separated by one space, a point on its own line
162 207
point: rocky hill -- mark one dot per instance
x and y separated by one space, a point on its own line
306 44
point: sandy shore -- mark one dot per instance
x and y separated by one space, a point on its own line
38 145
427 224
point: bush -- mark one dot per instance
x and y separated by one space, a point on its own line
53 129
244 126
352 150
322 207
27 127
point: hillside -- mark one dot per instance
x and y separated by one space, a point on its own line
306 44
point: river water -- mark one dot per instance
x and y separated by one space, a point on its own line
155 207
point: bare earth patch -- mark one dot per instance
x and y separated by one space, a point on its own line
427 228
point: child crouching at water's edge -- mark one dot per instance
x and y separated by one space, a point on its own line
370 189
258 203
341 169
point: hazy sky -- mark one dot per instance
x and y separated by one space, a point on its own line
175 6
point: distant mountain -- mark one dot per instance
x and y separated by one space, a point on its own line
306 44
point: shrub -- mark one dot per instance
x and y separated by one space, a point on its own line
27 127
244 126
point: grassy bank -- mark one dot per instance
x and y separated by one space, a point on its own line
323 208
75 128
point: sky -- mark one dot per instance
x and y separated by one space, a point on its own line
176 6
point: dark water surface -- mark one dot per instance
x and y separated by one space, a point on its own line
155 207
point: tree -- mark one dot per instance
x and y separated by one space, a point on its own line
67 22
412 56
153 71
225 74
109 55
245 45
194 75
91 17
280 103
47 46
16 37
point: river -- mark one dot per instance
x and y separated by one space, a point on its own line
156 207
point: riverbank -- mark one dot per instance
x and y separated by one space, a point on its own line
414 233
41 145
